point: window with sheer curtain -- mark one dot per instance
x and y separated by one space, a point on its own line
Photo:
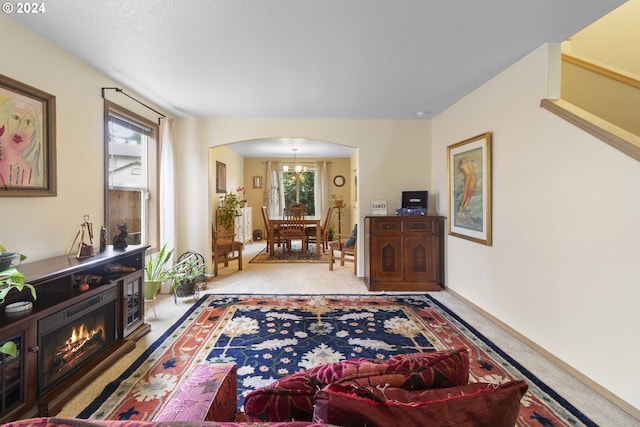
309 187
131 190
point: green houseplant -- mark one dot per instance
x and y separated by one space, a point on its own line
10 277
6 257
155 272
183 275
228 210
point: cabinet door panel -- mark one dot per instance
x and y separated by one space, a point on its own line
386 253
17 373
420 257
133 288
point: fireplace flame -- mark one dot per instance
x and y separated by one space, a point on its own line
80 336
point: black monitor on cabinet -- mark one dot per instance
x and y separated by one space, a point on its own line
415 199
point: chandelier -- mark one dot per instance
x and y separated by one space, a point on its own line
296 166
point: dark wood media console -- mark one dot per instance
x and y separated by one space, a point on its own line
38 382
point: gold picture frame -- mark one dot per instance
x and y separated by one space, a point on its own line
27 140
469 189
257 182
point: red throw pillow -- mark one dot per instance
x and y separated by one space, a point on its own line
292 397
472 405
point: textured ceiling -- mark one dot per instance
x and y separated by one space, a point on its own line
334 59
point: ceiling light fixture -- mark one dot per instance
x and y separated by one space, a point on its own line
296 166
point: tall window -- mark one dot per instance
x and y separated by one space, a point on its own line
131 193
299 187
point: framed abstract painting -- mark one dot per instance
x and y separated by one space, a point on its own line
469 188
27 140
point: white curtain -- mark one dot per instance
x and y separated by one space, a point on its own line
322 188
167 187
275 191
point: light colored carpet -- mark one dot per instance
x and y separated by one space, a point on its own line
310 278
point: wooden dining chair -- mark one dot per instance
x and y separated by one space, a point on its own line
276 230
324 232
347 248
225 248
293 228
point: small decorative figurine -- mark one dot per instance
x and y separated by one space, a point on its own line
120 240
103 239
85 249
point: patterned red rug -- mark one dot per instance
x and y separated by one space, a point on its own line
269 336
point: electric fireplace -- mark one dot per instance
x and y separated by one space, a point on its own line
69 338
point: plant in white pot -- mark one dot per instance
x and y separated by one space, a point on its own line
155 272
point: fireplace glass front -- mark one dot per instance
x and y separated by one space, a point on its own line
70 338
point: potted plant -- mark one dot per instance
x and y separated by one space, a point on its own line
11 278
155 272
241 190
185 274
6 257
228 210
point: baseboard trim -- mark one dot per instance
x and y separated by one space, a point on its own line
602 391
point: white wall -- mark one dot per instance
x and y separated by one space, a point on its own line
42 227
235 175
393 155
562 270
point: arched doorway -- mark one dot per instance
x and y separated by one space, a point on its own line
247 164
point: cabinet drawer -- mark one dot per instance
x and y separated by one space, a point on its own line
417 225
386 226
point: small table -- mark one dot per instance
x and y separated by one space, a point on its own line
306 221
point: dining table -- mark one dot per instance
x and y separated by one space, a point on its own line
310 221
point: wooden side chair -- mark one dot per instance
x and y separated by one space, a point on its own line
276 230
347 248
324 232
293 228
225 248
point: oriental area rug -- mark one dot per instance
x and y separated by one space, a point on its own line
293 256
271 336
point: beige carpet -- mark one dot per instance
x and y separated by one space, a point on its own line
310 278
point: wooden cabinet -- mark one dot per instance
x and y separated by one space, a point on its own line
133 297
404 253
243 225
119 297
15 374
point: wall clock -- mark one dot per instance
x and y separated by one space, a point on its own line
338 180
